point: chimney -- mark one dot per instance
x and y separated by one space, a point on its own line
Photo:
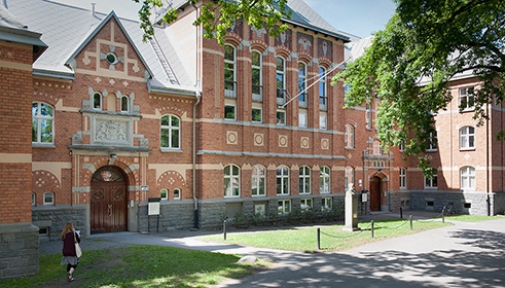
93 9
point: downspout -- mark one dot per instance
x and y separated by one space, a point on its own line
198 98
488 200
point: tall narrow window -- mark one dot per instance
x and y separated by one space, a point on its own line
432 142
433 181
324 180
258 180
282 180
304 180
229 71
42 123
466 98
302 118
97 101
323 121
326 204
467 137
467 178
125 104
403 178
256 78
302 84
170 132
231 181
323 97
368 116
280 81
349 136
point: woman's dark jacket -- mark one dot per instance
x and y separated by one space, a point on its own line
69 245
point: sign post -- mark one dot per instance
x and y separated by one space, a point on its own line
153 209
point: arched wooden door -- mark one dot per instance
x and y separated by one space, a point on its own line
375 194
108 201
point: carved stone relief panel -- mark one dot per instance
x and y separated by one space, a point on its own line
111 130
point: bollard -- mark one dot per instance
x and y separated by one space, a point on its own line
224 229
410 222
443 215
318 238
372 228
401 213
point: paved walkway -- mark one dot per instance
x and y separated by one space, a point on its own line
462 255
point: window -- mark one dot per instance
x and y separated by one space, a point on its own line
368 116
282 180
348 177
349 136
256 115
324 180
432 143
347 88
280 80
259 209
34 199
323 97
306 204
177 194
467 138
433 182
323 122
302 84
403 178
326 204
467 178
304 178
281 117
231 181
256 78
97 101
258 180
466 98
42 123
229 71
284 207
170 132
48 198
164 194
229 112
125 104
302 119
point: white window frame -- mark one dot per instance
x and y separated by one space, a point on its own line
433 143
177 194
304 180
306 204
349 136
125 100
281 120
260 113
431 183
258 67
282 180
280 77
97 96
38 120
259 179
467 178
323 89
323 121
172 129
403 178
164 194
231 178
326 204
48 198
283 207
230 65
467 98
467 138
302 84
324 180
302 119
228 105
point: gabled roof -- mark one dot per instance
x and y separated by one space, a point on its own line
66 29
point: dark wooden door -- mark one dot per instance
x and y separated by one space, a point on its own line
375 194
108 201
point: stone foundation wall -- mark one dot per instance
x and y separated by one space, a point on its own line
55 217
19 250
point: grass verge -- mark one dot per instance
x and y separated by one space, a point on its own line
140 266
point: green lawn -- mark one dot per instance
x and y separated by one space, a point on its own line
140 266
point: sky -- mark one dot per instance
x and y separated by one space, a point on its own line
357 17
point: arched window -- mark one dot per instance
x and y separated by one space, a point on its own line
323 97
164 194
97 101
256 77
467 138
302 85
125 104
282 180
231 181
349 136
324 180
48 198
467 178
170 132
229 71
42 123
177 194
304 180
258 180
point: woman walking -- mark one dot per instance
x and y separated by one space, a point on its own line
70 258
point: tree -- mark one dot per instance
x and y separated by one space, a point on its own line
218 15
430 40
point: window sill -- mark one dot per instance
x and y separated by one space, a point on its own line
171 150
467 149
40 145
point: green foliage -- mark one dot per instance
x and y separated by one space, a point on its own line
218 16
432 41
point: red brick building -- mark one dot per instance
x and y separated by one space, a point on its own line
180 132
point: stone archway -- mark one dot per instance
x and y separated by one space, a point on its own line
108 201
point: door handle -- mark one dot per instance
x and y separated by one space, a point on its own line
109 209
